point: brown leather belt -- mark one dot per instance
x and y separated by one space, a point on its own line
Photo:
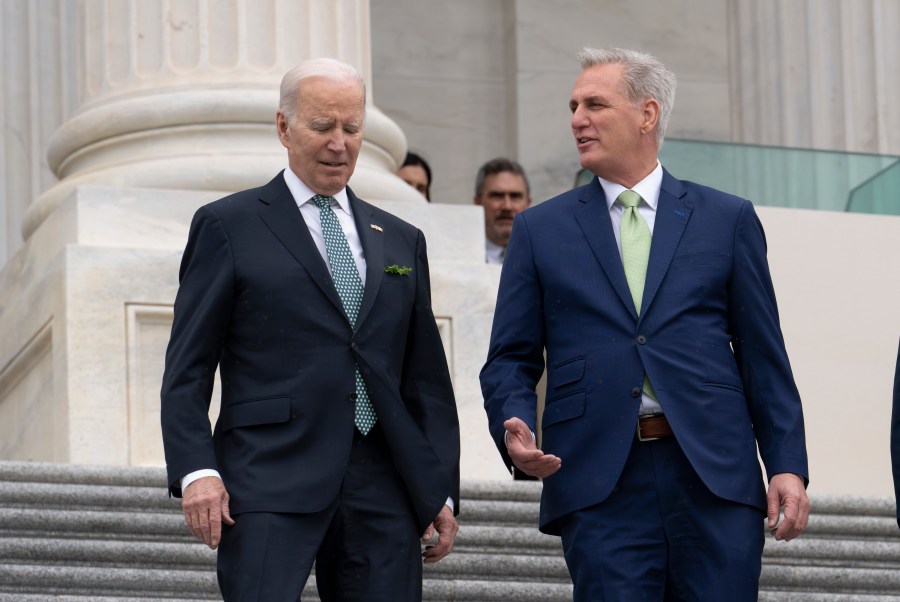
654 426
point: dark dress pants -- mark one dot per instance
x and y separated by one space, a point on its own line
663 536
365 544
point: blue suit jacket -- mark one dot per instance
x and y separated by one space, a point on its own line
256 299
708 337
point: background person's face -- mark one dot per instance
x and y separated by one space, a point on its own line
324 139
503 196
415 176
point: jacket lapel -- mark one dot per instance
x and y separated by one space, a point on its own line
372 241
592 214
281 215
672 214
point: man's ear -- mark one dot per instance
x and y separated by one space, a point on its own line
649 115
476 200
281 125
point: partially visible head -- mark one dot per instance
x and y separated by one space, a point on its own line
416 172
320 121
501 187
643 77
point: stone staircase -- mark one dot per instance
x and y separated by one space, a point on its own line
77 533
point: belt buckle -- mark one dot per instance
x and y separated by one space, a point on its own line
638 429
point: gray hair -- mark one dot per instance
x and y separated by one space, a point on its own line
320 67
643 77
499 165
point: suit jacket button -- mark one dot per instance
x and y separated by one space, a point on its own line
641 339
353 345
353 397
636 392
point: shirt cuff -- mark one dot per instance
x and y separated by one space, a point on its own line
197 474
506 437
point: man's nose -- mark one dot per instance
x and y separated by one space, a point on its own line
337 141
578 119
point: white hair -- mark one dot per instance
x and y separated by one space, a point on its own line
643 77
320 67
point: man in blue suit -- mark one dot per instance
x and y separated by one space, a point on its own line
666 364
338 440
895 437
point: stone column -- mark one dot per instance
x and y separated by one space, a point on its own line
816 74
174 105
181 94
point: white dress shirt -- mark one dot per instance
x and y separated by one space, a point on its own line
303 196
648 188
493 253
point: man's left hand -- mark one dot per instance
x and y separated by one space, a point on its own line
786 491
446 527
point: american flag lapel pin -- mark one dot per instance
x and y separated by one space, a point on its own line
376 227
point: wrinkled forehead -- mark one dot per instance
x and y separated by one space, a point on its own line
327 95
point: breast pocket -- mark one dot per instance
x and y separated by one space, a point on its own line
701 260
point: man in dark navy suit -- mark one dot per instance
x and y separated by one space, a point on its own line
338 440
666 364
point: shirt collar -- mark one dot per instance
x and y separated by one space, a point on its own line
648 188
303 194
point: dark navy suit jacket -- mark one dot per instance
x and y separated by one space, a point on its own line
708 337
256 299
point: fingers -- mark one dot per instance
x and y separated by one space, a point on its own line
535 462
774 508
524 453
429 533
787 491
516 426
447 528
226 513
518 434
795 521
205 506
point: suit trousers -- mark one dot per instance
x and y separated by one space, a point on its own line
661 535
365 544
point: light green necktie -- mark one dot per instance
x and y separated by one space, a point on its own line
350 289
635 235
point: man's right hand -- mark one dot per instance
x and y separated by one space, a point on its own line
525 454
205 506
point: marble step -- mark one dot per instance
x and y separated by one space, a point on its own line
77 533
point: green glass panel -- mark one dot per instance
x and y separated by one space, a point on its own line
787 177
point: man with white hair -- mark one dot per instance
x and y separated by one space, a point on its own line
666 365
337 441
